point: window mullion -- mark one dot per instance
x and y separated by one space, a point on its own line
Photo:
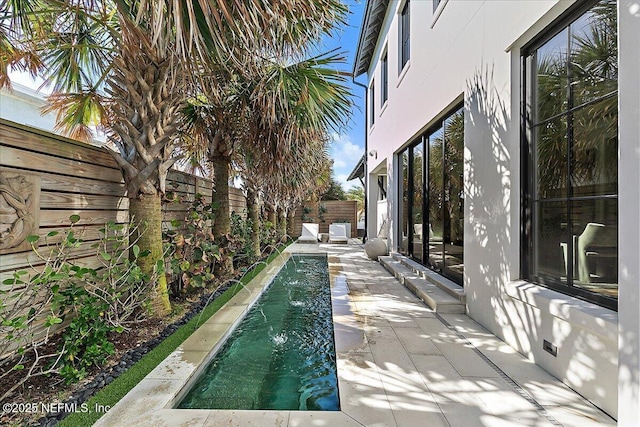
570 244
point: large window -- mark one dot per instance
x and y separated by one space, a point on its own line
432 209
571 141
405 26
385 79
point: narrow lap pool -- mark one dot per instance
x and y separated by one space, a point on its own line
282 354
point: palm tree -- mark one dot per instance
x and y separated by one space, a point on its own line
14 52
357 194
266 113
295 178
129 67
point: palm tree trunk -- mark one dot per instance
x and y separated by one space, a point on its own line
220 196
282 223
272 216
254 216
146 215
222 222
291 226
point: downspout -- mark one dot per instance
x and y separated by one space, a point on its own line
366 155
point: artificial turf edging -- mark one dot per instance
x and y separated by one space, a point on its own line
95 407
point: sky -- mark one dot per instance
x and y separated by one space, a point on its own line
347 146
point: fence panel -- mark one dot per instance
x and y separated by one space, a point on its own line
46 178
325 213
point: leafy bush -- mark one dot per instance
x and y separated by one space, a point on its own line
85 341
241 233
90 302
27 314
121 283
191 250
268 234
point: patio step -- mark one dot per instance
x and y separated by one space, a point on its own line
442 282
435 298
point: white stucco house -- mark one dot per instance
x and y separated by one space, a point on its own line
23 105
503 152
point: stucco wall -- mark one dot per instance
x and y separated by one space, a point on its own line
472 52
629 226
23 105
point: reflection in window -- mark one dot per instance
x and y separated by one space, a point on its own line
446 196
385 78
436 199
572 123
416 201
404 206
432 208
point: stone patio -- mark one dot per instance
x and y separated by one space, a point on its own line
399 364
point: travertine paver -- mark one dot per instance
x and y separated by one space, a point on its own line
398 365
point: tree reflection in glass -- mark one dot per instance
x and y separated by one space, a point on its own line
404 214
417 199
575 146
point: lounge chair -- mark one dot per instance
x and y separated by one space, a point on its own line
338 233
596 243
309 233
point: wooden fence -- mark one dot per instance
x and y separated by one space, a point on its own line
325 213
45 178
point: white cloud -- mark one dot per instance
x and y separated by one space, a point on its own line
339 163
345 154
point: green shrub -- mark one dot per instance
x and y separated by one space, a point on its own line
191 250
241 233
89 302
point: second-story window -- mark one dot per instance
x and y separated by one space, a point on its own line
404 35
385 78
372 103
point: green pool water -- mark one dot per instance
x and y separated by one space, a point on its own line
282 355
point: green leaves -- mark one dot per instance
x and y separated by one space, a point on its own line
52 320
89 303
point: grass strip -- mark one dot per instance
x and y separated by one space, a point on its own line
108 396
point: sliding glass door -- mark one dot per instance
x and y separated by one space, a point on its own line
417 202
431 211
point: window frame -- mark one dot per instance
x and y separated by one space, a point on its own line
528 166
372 104
423 140
384 76
404 35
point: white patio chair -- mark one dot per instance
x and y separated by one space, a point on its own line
338 233
309 233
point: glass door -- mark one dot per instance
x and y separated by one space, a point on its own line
417 202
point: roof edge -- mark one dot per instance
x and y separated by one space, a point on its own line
362 61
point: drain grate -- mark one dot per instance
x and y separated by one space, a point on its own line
514 385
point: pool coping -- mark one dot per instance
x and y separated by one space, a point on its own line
153 400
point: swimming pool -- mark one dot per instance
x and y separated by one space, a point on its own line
282 354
